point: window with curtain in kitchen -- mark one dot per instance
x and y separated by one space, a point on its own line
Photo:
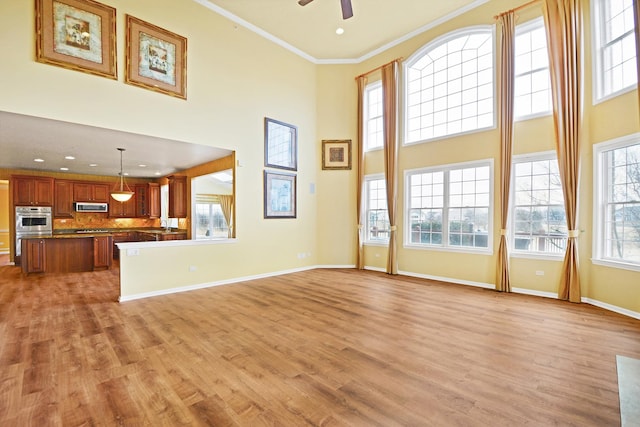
209 218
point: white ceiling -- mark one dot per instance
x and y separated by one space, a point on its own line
25 138
310 30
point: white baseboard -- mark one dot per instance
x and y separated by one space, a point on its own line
448 280
613 308
170 291
524 291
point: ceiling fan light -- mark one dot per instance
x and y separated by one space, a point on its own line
122 196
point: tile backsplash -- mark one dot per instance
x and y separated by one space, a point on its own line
85 220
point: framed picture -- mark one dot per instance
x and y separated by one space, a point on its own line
336 154
279 195
156 58
280 145
78 35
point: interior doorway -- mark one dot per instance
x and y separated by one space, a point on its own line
4 222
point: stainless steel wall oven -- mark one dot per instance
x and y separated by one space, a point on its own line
32 221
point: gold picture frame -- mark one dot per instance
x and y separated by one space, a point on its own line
336 154
78 35
156 59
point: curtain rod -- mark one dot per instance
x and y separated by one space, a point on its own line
515 9
377 68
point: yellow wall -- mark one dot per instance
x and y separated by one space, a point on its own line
235 79
604 121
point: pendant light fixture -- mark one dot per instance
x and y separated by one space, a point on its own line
122 194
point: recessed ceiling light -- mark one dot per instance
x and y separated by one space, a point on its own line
93 165
157 173
64 169
38 160
69 157
340 31
143 166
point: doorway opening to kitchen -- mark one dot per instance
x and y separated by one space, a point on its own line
4 222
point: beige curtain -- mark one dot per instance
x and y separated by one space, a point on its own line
507 42
226 204
362 83
390 104
563 20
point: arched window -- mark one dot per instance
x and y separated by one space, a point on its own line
449 85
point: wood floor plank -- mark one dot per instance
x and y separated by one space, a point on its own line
323 347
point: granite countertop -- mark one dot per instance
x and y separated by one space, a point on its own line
69 233
162 231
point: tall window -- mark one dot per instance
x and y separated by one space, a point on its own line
538 220
532 85
373 137
614 41
449 86
377 222
209 219
617 217
450 206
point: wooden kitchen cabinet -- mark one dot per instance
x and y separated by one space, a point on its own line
102 252
32 190
122 236
177 196
148 200
63 199
122 209
33 258
154 200
90 192
147 237
173 236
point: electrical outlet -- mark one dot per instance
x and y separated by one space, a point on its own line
133 252
192 268
539 273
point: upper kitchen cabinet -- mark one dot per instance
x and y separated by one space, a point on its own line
63 199
122 209
90 192
148 200
32 190
177 196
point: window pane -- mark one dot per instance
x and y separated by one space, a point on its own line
377 217
538 218
461 78
621 203
615 61
373 116
210 221
532 84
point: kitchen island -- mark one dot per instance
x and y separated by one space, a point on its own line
75 250
66 253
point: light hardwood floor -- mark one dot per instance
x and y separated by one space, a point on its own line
322 347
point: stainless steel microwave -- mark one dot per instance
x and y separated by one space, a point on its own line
92 207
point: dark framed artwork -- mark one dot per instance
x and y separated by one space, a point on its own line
280 145
78 35
279 195
336 154
156 58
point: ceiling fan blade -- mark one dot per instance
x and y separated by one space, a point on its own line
304 2
347 11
